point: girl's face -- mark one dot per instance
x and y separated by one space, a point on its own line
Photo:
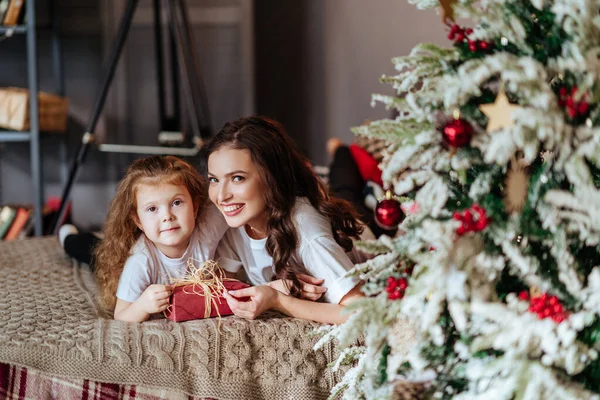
237 188
166 216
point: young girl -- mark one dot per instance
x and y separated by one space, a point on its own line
285 222
159 218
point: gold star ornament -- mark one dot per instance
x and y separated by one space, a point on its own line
499 113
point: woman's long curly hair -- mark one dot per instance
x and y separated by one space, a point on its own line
121 230
287 174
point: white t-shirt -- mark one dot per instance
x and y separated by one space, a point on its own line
147 265
317 250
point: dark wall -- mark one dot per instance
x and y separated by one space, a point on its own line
289 74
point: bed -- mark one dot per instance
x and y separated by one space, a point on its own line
55 342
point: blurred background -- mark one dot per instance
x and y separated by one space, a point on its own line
311 64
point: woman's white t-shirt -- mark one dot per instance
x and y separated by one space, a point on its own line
317 250
147 265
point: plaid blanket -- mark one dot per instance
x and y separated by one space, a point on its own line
25 384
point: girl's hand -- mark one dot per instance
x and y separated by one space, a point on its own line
311 287
155 299
262 298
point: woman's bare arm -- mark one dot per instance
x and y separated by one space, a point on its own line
320 312
263 298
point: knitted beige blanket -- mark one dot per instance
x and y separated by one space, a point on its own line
49 321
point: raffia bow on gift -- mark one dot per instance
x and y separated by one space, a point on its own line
205 280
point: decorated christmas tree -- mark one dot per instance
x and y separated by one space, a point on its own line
495 160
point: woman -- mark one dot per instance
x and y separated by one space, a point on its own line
284 222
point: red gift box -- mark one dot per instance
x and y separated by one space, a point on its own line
188 302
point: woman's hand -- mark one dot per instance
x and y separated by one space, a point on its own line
262 298
311 287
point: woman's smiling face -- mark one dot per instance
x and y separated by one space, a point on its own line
237 189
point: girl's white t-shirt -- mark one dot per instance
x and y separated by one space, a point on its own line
317 250
147 265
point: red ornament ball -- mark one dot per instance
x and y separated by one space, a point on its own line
389 214
457 133
483 45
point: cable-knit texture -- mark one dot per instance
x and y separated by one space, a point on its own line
50 321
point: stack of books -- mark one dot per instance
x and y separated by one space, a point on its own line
16 222
12 12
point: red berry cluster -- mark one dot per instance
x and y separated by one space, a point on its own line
473 220
574 108
459 34
545 306
396 287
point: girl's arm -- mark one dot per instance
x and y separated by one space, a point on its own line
263 298
155 299
126 311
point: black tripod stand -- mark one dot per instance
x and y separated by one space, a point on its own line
194 95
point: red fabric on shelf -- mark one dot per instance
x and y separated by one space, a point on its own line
187 303
367 165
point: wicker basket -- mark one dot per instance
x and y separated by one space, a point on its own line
14 110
